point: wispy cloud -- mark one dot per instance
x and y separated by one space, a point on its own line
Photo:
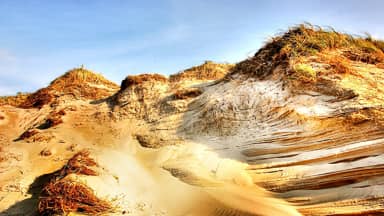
120 38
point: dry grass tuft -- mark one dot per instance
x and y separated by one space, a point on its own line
81 75
38 99
78 83
140 79
207 71
14 100
340 65
62 195
307 40
65 196
183 94
81 164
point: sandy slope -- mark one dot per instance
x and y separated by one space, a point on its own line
275 136
134 176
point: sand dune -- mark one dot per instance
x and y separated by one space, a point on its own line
290 131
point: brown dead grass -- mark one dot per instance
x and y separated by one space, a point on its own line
73 83
207 71
38 99
339 64
307 40
369 58
140 79
65 196
62 195
183 94
81 164
80 75
14 100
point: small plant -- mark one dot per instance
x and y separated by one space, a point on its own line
305 72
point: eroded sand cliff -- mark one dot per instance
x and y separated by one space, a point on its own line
295 130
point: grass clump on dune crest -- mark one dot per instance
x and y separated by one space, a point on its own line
14 100
307 40
78 83
140 79
81 75
207 71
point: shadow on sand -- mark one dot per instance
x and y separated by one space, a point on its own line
28 207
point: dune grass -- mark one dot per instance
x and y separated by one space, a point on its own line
139 79
14 100
81 75
207 71
308 40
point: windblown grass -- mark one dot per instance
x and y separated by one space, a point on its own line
207 71
308 40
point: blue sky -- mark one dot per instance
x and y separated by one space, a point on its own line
41 39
